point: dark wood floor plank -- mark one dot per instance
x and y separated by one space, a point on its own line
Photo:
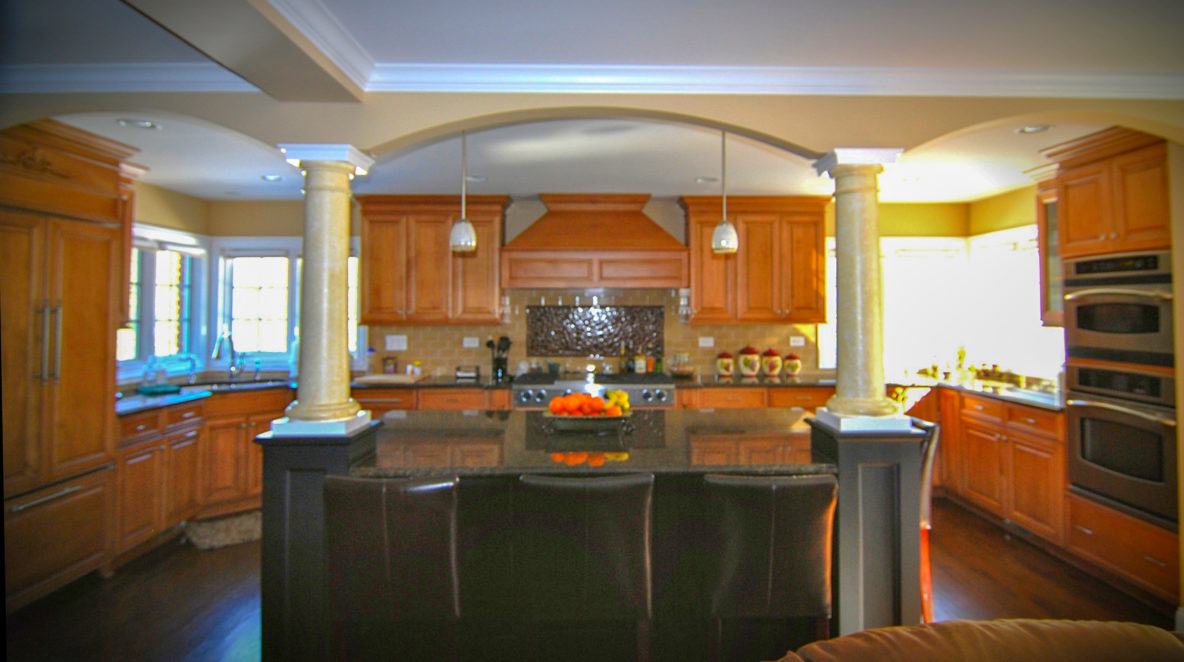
181 603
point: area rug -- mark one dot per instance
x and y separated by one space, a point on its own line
223 531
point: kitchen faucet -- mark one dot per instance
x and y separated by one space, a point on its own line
224 349
192 361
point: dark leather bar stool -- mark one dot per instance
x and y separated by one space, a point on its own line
583 551
391 567
772 554
928 457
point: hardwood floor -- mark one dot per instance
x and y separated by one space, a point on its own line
180 603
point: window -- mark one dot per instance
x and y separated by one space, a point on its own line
162 300
258 296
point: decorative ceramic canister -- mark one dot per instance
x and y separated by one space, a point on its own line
771 363
724 364
750 362
792 364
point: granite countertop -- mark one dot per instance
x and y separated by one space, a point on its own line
800 379
436 382
661 441
134 403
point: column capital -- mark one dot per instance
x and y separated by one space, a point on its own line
856 156
295 153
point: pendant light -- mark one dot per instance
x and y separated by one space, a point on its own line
463 237
724 239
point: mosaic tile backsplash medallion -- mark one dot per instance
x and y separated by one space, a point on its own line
592 330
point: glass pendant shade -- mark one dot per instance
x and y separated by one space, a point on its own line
463 237
724 239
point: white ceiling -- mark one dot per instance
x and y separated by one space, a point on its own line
927 44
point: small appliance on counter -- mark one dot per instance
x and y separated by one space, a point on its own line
468 373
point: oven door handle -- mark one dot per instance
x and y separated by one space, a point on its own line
1117 291
1166 422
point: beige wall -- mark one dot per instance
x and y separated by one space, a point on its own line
169 209
256 218
1004 211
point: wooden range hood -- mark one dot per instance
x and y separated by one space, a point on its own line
593 241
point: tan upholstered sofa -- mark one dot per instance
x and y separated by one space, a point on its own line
1016 640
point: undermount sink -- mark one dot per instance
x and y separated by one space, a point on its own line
243 385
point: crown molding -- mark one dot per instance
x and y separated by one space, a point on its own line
866 81
296 153
326 33
128 77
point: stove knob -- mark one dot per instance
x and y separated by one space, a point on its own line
646 395
540 395
660 395
524 395
567 391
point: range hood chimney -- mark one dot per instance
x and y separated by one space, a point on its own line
594 241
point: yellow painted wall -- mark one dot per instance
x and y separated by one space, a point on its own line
266 218
169 209
1004 211
924 220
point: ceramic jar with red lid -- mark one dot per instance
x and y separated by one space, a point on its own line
750 362
771 363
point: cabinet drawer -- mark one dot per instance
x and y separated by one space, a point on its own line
182 414
55 535
732 398
984 408
381 400
135 426
806 397
451 398
1038 421
1145 554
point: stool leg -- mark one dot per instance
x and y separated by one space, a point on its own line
926 579
643 640
822 628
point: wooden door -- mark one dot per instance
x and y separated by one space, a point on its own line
428 272
22 318
384 270
713 277
949 445
83 262
984 465
141 497
1142 220
758 278
1083 202
225 462
1037 495
476 293
802 269
183 472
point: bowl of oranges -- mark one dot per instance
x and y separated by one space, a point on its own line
584 411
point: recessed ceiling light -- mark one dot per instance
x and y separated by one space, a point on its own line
1034 128
137 124
271 178
475 178
706 180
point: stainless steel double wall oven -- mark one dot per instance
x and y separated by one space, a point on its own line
1120 383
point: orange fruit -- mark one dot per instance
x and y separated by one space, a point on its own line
596 460
573 459
571 403
556 405
612 410
558 457
596 404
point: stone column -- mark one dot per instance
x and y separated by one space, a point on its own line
323 404
859 384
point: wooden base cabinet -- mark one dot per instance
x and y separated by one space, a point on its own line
1141 553
56 534
232 463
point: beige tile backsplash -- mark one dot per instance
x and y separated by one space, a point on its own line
440 348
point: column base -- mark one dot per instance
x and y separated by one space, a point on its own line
856 423
293 427
847 406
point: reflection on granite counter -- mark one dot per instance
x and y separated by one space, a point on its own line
416 443
700 381
436 382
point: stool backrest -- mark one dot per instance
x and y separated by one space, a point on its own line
582 546
391 548
928 459
772 538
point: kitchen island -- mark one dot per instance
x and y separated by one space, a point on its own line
490 450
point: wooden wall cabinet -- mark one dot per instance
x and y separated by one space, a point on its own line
409 274
1052 289
778 273
1112 193
232 463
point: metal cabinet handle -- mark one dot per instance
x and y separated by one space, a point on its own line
141 427
1117 291
44 311
189 414
1088 532
1166 422
978 407
56 311
1154 561
1030 421
46 499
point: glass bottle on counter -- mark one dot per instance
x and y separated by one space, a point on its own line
639 362
622 361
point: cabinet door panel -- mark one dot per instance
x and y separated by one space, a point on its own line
428 276
1141 211
949 445
1083 200
803 270
757 275
183 476
256 425
475 276
984 467
384 270
140 498
21 291
1037 487
225 462
713 278
83 266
